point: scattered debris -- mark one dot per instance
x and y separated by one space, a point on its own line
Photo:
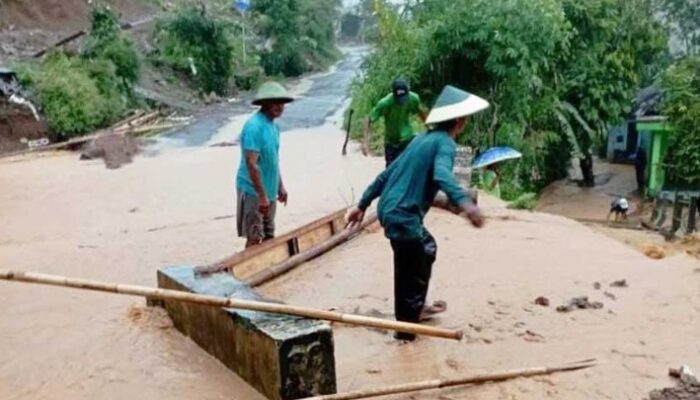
133 210
115 149
620 283
654 252
579 303
37 143
684 373
610 296
687 388
542 301
596 285
373 371
530 336
19 100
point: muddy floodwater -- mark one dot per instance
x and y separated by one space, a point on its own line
176 205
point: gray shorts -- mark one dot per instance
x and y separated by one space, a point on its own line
251 224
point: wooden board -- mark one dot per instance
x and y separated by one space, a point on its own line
253 260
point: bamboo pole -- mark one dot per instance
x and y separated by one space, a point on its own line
216 301
443 383
306 255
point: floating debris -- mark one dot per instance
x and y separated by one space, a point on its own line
620 283
542 301
580 303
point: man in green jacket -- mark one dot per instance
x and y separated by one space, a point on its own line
396 109
408 188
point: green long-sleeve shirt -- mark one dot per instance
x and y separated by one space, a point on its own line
408 187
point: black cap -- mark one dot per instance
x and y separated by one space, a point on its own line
400 90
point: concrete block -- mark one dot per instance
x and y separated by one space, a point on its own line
283 357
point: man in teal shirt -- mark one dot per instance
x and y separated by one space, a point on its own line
258 182
408 188
396 109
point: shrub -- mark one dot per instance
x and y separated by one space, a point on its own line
76 96
526 201
191 34
106 42
681 104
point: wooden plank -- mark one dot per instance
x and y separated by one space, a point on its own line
253 265
310 239
317 250
277 247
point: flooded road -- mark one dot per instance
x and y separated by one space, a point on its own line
76 218
318 97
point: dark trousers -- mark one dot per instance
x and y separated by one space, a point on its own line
413 264
391 153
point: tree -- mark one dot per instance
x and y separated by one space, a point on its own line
683 19
613 43
192 37
301 34
557 72
681 104
105 41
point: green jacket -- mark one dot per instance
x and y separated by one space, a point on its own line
408 187
397 118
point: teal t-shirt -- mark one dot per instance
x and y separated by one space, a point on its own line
408 187
397 118
262 136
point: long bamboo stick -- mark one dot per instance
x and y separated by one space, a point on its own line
216 301
306 255
443 383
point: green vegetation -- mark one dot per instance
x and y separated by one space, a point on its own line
526 201
192 41
680 85
80 94
557 72
105 41
300 34
76 96
212 46
681 104
683 19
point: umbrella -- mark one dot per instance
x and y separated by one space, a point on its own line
494 155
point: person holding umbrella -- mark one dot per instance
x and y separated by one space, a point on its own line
408 188
490 160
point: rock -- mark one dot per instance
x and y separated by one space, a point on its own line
620 283
596 286
610 296
115 149
688 387
542 301
579 303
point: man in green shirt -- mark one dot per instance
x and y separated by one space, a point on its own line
396 109
408 188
